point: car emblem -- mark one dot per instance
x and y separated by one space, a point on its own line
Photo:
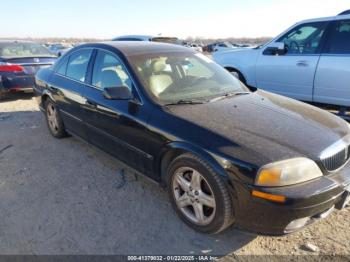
36 60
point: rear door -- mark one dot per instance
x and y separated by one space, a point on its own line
68 86
332 81
292 74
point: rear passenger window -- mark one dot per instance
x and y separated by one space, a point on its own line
63 66
340 38
109 72
78 64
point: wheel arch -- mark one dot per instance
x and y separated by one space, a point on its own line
44 96
231 68
175 149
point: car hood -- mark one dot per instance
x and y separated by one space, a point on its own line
237 53
261 127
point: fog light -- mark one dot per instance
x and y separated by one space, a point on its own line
296 224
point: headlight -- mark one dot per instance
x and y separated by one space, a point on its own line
288 172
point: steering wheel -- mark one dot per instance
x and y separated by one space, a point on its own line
175 88
294 46
197 80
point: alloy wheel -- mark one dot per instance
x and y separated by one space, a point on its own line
52 117
194 196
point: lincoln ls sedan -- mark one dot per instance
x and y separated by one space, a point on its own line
227 155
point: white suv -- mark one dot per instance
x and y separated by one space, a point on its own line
309 62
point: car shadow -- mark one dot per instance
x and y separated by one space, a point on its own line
67 197
16 96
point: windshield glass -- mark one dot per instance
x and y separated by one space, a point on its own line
23 50
176 76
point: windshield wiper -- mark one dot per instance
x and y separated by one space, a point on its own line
229 95
185 102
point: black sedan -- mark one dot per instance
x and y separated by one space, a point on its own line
19 62
226 155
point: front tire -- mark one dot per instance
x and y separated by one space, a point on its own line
199 195
53 119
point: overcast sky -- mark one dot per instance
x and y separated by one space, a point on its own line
181 18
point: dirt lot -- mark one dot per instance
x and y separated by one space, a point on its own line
66 197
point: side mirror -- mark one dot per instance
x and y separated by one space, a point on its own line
276 48
117 93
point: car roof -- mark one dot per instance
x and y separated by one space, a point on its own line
143 37
129 48
329 18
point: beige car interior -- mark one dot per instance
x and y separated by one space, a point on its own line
112 76
160 79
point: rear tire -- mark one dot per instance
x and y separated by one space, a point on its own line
54 120
199 195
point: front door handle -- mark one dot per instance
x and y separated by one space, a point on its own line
53 89
302 63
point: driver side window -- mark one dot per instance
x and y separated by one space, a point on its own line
304 39
109 72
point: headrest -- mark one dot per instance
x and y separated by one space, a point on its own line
158 66
110 78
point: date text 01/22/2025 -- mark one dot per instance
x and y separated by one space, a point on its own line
173 258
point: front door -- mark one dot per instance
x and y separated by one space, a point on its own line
292 74
117 126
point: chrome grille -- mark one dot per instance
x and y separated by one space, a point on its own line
336 160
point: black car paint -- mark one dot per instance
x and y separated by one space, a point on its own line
245 131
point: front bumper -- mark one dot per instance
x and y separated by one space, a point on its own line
305 203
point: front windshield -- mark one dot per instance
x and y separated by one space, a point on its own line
183 76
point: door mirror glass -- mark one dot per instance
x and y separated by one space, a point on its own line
117 93
277 48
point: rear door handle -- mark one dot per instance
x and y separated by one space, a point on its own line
302 63
90 103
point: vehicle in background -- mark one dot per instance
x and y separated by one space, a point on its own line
221 46
19 62
240 45
160 39
59 49
310 62
193 46
208 48
225 154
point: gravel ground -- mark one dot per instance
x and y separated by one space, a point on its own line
67 197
